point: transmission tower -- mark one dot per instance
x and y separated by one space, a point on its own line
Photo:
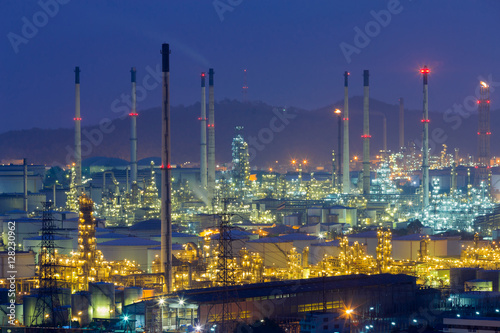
221 311
47 308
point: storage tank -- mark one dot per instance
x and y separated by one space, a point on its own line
4 295
29 303
131 295
490 275
102 295
458 276
81 307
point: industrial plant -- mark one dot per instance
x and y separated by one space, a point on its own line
375 240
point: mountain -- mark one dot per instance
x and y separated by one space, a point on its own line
272 135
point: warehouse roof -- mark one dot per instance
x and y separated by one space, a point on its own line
54 238
297 286
269 240
152 224
366 234
130 241
111 235
297 237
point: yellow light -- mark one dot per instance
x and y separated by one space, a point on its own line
484 84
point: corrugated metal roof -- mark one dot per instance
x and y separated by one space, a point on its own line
297 286
366 234
130 241
297 237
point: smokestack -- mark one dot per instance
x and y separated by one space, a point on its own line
166 198
25 184
425 151
133 133
78 131
211 136
346 181
203 145
366 133
453 186
334 170
401 123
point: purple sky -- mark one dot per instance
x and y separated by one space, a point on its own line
291 49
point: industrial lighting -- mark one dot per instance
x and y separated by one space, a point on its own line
349 311
125 318
198 328
425 70
181 302
337 111
161 301
484 84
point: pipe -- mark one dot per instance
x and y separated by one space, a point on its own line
166 198
133 134
211 136
346 181
366 133
203 144
25 184
425 153
78 131
401 123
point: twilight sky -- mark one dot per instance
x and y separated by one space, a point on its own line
291 49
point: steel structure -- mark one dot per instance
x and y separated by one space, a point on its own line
47 308
166 176
483 137
425 149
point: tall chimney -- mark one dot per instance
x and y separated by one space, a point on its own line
78 131
366 133
346 181
203 145
133 130
25 184
211 136
401 123
425 150
166 198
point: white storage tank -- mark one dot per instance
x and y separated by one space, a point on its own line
81 307
102 295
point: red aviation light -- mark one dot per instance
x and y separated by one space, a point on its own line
425 70
488 133
366 136
488 101
202 74
77 118
478 133
425 121
133 114
478 102
345 119
476 167
168 166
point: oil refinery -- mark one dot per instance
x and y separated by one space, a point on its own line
366 238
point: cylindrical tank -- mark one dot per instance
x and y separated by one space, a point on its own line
131 294
29 303
81 308
490 275
102 299
4 295
458 276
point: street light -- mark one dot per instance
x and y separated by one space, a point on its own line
161 302
349 313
